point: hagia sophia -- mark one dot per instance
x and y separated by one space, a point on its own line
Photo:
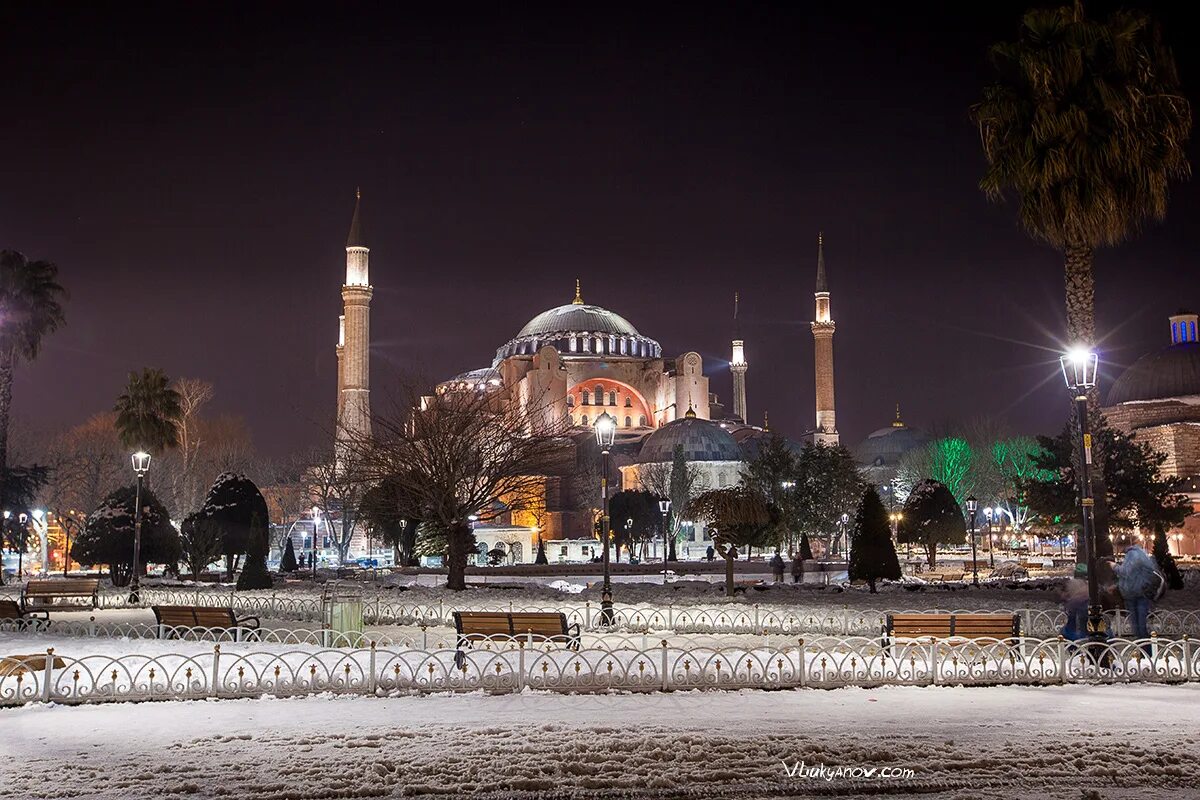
577 360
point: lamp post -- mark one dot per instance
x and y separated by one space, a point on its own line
606 433
3 537
23 521
628 539
67 522
987 512
141 464
665 507
972 505
316 517
845 520
1079 368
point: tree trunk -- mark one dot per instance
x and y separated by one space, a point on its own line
456 556
7 363
871 583
1081 331
931 554
729 572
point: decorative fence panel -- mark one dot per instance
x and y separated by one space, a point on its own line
382 609
513 665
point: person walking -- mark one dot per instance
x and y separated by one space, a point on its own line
777 567
797 568
1138 580
710 554
1075 606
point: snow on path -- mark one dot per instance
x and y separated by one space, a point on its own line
1003 742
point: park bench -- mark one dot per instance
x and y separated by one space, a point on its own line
944 577
1002 627
207 617
17 665
48 593
12 614
544 626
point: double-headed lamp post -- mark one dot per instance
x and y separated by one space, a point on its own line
606 434
845 537
972 507
316 518
665 507
1079 367
141 465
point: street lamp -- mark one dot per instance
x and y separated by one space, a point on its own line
23 519
628 538
606 433
972 505
316 518
987 512
665 507
141 464
845 520
1079 368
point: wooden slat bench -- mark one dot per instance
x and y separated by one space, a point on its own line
11 612
19 664
46 594
945 577
543 626
209 617
1002 627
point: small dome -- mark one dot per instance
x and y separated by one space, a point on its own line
484 379
1171 372
884 447
702 440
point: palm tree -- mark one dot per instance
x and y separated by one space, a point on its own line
30 308
148 412
1086 126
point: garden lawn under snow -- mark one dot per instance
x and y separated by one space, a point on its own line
1111 742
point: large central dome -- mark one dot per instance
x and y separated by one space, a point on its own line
575 318
579 330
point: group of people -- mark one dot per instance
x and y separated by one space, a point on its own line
777 568
1134 584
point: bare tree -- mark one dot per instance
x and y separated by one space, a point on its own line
194 394
86 464
463 454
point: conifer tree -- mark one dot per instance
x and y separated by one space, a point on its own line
540 558
1166 561
288 562
254 574
872 554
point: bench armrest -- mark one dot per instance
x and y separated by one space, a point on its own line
243 622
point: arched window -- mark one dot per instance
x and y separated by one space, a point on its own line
586 397
628 401
599 396
570 401
583 420
642 420
612 398
599 345
628 422
573 344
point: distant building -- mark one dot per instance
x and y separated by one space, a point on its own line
1157 401
879 455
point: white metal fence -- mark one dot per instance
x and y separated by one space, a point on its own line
382 609
822 662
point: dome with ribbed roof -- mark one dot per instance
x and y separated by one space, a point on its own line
1171 372
580 330
702 440
884 447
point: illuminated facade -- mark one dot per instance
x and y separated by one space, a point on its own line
578 361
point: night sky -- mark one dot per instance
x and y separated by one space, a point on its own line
193 175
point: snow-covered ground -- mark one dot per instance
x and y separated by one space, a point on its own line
1110 742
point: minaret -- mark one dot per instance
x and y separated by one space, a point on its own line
822 329
354 340
738 367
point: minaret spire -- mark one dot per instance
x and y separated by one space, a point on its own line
578 301
354 341
822 330
738 367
